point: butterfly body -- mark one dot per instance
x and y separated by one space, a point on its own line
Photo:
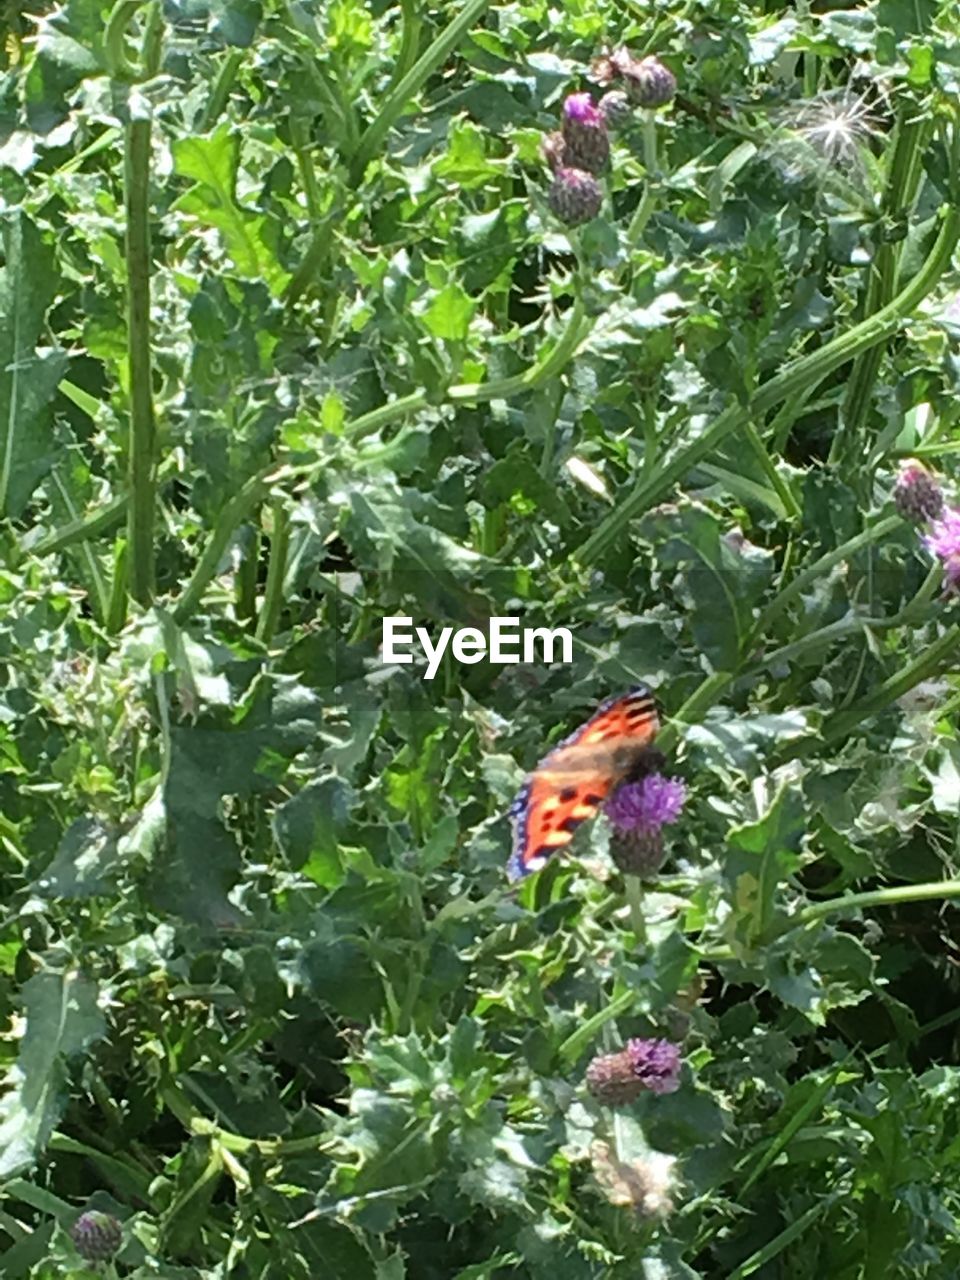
572 781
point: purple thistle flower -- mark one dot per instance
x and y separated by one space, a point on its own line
648 805
643 1066
943 541
656 1063
579 109
586 144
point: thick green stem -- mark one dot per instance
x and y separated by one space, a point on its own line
791 508
231 517
409 41
937 890
929 663
226 78
898 198
575 1044
276 572
816 571
633 887
694 709
412 82
801 374
541 370
141 461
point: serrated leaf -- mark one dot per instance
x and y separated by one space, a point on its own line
28 378
62 1018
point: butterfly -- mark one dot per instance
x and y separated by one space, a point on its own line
569 785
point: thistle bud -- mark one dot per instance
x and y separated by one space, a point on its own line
617 1079
575 197
586 145
649 83
96 1236
616 108
637 812
917 494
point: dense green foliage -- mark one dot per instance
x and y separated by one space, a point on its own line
292 341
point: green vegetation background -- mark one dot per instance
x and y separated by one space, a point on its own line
290 341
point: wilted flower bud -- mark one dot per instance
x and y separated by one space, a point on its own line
575 197
611 67
585 138
96 1236
554 150
648 82
917 494
617 1079
944 541
644 1185
616 108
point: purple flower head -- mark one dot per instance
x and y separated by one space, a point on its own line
648 805
586 143
917 494
643 1066
943 541
96 1236
656 1063
579 108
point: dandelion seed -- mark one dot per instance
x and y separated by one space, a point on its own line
826 136
645 1185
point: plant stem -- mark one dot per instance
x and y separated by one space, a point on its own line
276 572
226 78
898 197
412 82
803 373
935 889
810 575
233 514
783 491
573 1046
481 392
927 664
633 891
142 480
409 41
693 710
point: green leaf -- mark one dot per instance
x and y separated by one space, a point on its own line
761 854
212 162
449 314
28 379
84 864
62 1018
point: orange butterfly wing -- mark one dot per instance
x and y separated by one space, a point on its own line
569 785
